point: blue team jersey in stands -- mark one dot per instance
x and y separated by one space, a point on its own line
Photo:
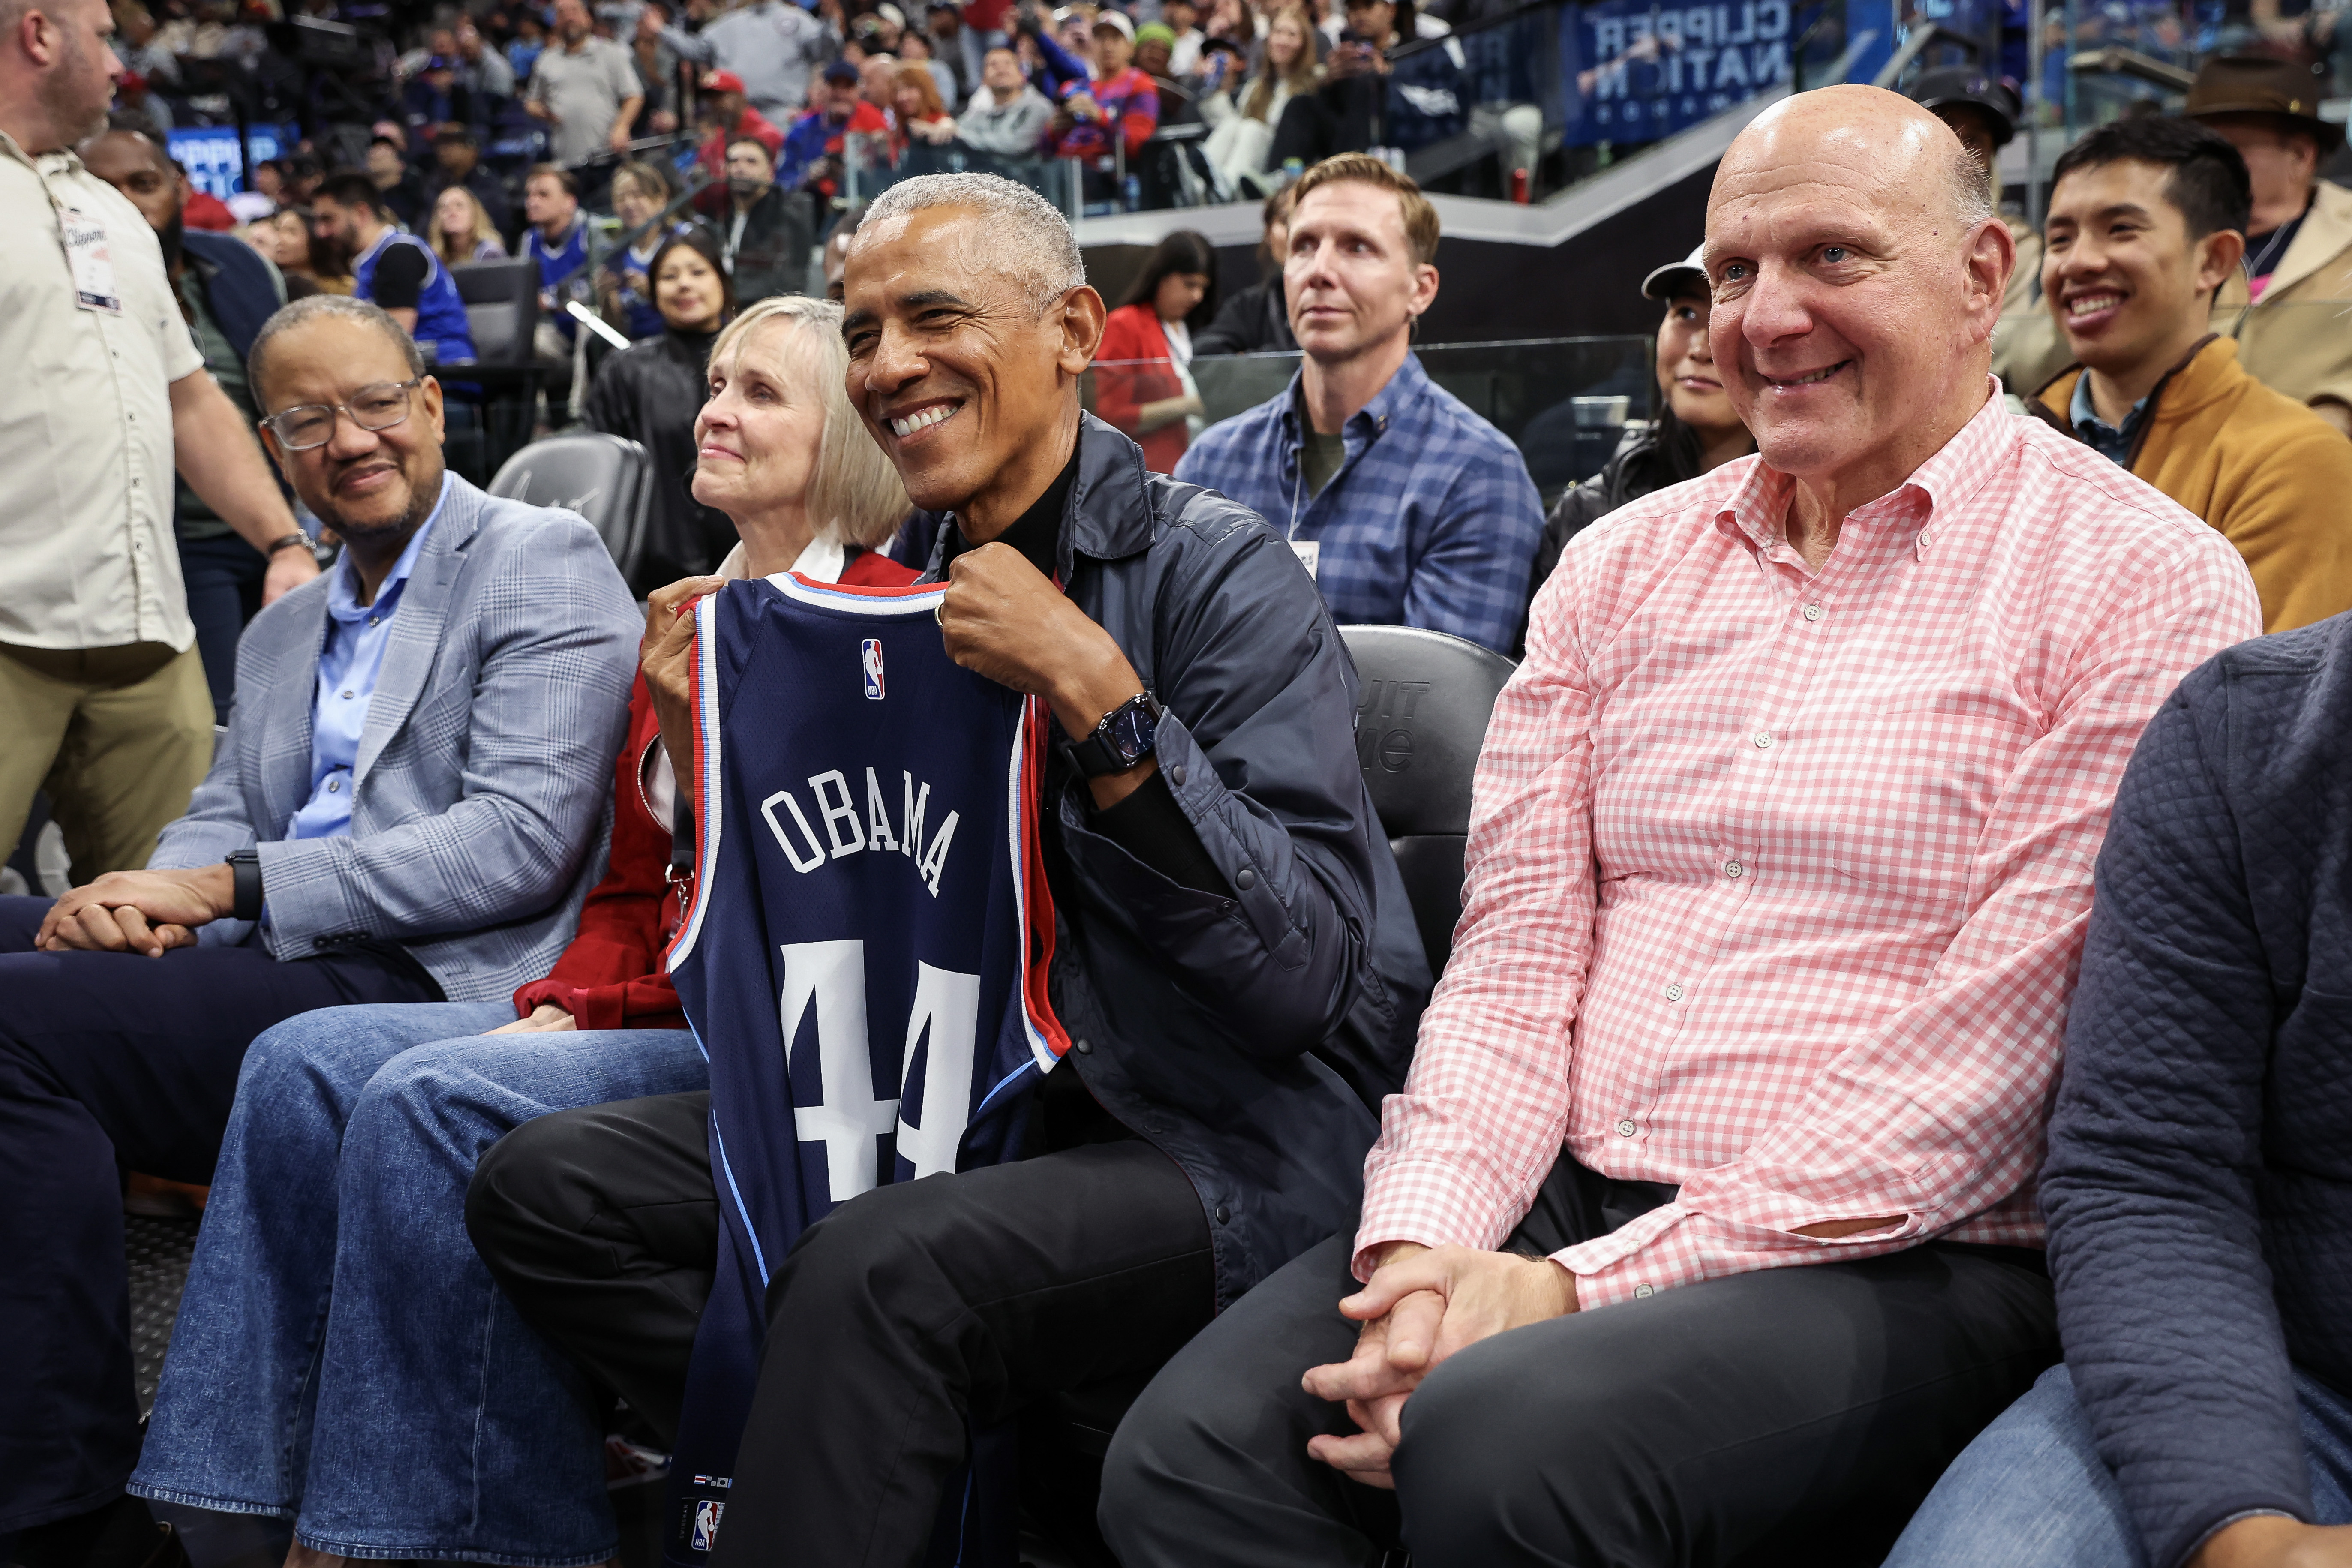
864 957
440 312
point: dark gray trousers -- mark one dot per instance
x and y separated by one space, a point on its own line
1791 1415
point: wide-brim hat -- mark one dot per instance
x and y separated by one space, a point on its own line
2260 84
1952 85
1677 277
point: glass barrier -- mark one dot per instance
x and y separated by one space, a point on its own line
1564 402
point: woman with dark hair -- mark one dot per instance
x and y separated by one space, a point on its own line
650 393
1143 378
1696 428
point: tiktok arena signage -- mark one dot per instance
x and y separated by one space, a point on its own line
1638 70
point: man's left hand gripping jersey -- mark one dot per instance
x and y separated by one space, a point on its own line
863 960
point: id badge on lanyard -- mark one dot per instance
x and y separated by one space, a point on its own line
92 261
1309 553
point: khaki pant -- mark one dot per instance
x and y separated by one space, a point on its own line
119 737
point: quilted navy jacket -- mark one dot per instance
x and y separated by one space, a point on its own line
1251 1037
2199 1181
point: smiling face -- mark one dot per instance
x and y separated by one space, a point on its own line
686 290
364 484
1283 43
1686 372
1852 307
966 388
1351 280
756 440
632 203
2125 282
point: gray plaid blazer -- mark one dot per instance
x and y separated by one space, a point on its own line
481 796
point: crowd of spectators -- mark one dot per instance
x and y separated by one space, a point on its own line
1780 881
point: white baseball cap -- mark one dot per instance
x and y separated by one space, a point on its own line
1118 19
1677 277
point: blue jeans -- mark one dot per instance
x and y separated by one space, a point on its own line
2032 1492
342 1357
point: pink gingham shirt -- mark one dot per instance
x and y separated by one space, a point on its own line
1778 880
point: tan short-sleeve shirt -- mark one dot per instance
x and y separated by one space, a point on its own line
87 553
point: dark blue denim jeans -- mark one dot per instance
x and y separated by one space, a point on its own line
342 1357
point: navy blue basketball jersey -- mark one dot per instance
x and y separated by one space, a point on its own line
863 960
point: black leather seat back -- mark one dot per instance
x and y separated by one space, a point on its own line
1421 717
501 301
605 478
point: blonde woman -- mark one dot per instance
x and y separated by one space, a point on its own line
461 229
342 1357
1243 119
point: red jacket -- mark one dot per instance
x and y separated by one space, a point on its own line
611 976
1133 332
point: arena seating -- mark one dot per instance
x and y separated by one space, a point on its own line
608 480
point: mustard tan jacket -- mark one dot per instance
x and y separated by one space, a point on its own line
2272 475
2298 339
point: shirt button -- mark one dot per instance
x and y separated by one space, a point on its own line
1083 1047
1763 740
1734 870
1813 612
1673 992
1644 1292
347 697
1245 879
1176 775
373 619
1626 1128
333 785
1224 1215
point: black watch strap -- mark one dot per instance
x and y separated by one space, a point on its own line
245 866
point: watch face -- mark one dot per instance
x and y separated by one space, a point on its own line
1133 732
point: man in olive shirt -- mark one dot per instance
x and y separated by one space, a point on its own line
226 290
102 695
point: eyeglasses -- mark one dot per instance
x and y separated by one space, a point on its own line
309 424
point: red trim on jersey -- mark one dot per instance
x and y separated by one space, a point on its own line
1039 914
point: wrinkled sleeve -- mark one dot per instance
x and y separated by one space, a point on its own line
1258 749
2156 1150
1464 1149
1471 579
1939 1114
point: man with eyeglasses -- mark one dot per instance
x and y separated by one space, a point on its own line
407 809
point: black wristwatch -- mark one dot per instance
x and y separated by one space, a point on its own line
245 866
1124 738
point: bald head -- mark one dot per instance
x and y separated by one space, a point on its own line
1857 272
1914 155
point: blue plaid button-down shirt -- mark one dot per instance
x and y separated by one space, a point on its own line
1431 521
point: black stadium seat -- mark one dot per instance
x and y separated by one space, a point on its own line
1419 719
608 480
502 308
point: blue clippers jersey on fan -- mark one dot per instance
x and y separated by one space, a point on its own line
864 959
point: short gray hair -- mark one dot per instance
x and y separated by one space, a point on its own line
1028 237
302 312
1971 189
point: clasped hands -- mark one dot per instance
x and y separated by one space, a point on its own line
148 912
1001 617
1422 1305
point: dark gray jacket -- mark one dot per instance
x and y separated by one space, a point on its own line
1248 1038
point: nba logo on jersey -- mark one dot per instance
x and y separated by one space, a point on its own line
706 1523
869 659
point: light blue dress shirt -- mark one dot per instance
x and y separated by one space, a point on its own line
2109 442
348 667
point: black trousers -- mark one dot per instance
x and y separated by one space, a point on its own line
1788 1417
909 1315
110 1060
